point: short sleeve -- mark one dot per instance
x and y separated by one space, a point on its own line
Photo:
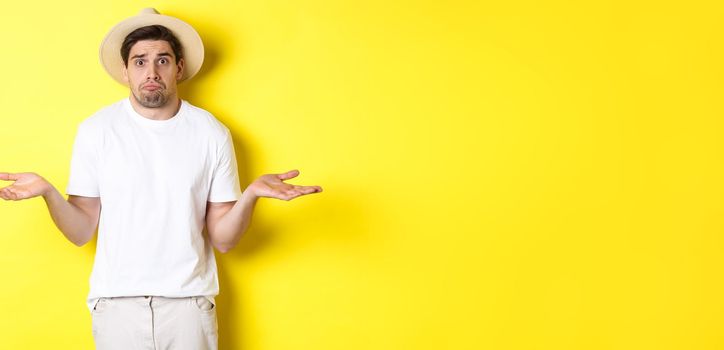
83 179
225 182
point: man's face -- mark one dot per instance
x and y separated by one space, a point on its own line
152 72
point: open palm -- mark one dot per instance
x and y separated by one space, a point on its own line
26 185
273 186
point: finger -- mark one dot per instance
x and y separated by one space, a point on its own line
283 196
288 175
6 192
308 189
8 176
299 193
294 194
17 195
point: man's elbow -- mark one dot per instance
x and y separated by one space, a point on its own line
223 248
223 242
79 243
221 245
81 240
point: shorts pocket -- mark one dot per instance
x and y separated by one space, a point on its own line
204 304
100 305
97 317
207 315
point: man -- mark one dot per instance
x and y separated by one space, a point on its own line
161 169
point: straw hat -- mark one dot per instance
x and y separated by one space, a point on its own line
193 48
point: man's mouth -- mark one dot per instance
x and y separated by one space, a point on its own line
151 87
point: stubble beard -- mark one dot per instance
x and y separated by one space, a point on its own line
152 99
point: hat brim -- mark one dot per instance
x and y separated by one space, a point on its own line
192 46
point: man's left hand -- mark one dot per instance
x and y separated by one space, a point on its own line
273 186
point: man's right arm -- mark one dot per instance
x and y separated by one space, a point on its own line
77 218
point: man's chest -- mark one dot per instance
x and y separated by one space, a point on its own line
160 164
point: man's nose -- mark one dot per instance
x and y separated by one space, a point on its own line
152 73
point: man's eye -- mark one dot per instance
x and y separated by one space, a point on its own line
162 61
139 63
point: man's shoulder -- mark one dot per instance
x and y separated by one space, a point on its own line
102 116
205 120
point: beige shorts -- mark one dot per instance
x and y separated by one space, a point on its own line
155 323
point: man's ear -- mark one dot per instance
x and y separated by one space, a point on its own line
180 66
124 70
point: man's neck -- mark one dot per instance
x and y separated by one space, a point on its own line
164 112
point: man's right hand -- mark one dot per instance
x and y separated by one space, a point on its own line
77 217
26 185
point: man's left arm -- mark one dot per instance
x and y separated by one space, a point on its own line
226 222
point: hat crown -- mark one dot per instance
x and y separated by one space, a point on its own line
149 11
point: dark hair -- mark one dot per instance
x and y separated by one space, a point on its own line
153 32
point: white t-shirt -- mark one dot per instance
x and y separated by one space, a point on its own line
154 179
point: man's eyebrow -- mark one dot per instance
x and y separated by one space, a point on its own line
162 54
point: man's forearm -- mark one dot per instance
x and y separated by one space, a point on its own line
75 224
227 231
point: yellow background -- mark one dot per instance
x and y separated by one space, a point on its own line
497 175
